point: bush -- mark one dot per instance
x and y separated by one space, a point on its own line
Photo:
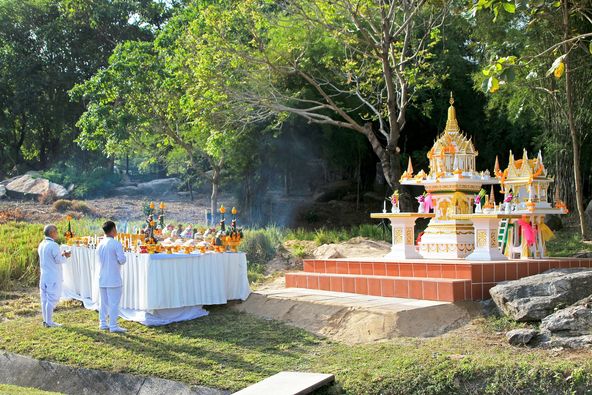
63 206
261 245
86 183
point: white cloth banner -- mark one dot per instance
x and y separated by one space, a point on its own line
161 288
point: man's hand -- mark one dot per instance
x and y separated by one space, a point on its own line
67 254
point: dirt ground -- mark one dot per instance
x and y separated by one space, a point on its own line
116 208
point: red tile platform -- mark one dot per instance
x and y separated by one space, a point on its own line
442 280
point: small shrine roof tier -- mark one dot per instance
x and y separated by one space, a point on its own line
451 160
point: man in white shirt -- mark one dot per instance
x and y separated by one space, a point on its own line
110 256
50 281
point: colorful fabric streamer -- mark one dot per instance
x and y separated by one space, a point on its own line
429 202
527 231
546 232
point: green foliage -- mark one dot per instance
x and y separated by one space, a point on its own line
261 245
19 262
325 236
87 184
567 242
46 47
7 389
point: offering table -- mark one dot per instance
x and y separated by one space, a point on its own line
403 233
161 288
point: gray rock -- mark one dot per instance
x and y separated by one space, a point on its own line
49 376
159 187
129 190
567 342
489 309
575 320
521 337
27 186
554 222
535 297
2 191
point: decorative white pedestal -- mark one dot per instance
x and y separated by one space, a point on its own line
403 236
486 231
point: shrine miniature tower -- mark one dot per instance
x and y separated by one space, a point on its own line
452 181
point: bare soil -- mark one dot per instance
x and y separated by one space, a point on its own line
117 208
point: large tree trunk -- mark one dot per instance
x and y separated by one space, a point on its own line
575 137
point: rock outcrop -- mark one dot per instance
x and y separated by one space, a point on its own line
154 188
521 337
535 297
575 320
30 187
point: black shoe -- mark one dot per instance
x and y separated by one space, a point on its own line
45 324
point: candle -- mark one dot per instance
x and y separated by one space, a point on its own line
384 206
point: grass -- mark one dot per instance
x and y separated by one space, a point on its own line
567 242
6 389
230 350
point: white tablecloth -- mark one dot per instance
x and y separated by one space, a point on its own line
161 288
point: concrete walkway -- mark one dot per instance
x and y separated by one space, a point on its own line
49 376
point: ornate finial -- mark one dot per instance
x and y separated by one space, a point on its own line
410 167
451 122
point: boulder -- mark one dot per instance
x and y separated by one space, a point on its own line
535 297
554 222
575 320
129 190
327 251
159 187
27 186
567 342
521 337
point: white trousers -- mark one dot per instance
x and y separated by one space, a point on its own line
50 296
109 306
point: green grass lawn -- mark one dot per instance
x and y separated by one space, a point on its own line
230 350
6 389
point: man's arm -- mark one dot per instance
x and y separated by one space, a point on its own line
120 254
58 258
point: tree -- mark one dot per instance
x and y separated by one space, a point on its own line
152 99
352 64
568 23
46 47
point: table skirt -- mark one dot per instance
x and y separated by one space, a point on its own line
161 288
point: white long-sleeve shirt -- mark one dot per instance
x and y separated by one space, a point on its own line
50 261
111 257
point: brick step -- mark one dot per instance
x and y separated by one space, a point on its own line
413 268
427 288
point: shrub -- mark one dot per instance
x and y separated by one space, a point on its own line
261 245
63 206
47 197
86 183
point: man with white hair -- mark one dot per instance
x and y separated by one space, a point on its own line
50 281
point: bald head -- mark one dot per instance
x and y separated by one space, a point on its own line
50 231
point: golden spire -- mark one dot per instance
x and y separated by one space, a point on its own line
451 122
409 167
496 166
